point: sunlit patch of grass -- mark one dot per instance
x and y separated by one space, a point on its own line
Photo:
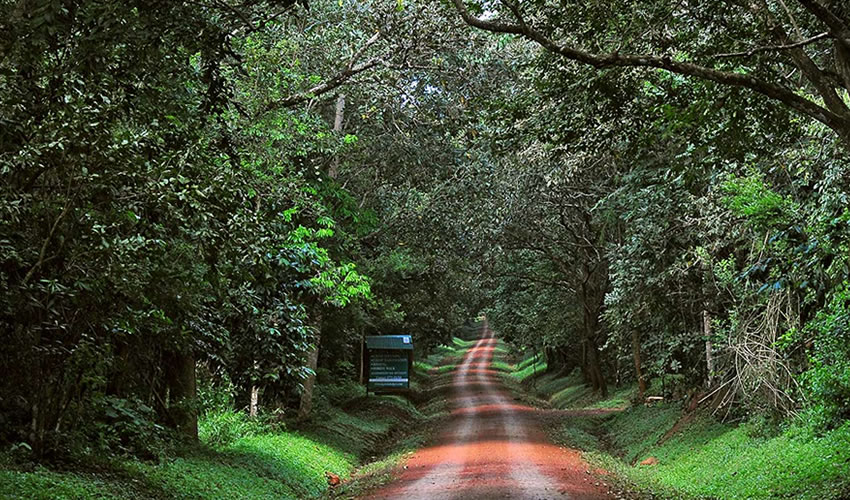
273 465
426 368
528 369
570 396
620 398
568 391
269 465
551 384
711 459
44 484
459 343
501 366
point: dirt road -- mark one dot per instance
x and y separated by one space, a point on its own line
491 447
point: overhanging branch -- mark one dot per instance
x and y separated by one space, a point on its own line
839 29
352 68
786 96
774 48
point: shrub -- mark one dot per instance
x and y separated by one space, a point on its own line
827 383
126 426
223 427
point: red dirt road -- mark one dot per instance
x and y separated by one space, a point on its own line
491 448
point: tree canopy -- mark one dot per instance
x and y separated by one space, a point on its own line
223 194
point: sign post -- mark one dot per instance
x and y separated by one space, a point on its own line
388 360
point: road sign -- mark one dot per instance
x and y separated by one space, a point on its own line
388 361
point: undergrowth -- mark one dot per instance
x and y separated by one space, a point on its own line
704 457
349 435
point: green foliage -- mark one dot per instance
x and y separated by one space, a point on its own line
241 457
708 459
528 368
173 194
827 382
222 428
126 426
750 198
47 485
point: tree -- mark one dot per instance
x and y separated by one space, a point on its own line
775 39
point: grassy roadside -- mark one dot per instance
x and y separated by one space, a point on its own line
697 456
432 377
361 439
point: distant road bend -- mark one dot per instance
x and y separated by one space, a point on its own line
491 447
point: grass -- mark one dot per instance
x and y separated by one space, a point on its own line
528 368
704 458
272 465
441 358
559 390
708 459
362 438
264 465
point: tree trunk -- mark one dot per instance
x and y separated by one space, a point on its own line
595 369
556 359
254 405
182 400
306 405
591 306
338 119
255 401
638 373
842 63
709 348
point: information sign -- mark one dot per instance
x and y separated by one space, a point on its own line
388 360
388 369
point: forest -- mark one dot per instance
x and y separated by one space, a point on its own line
206 205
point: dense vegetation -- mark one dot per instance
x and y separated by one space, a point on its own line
658 450
203 204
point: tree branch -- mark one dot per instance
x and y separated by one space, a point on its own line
351 69
599 61
811 71
775 48
41 254
837 26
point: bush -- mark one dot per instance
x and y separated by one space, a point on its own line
223 427
124 426
829 390
827 383
215 393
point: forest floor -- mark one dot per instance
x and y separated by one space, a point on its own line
491 446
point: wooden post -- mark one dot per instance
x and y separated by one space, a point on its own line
362 358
